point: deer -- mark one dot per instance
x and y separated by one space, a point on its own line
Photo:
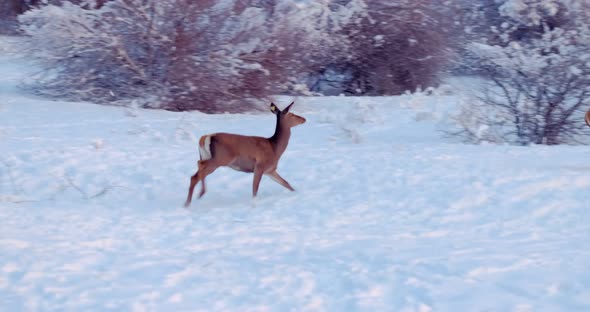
587 118
252 154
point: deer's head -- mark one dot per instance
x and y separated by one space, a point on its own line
285 118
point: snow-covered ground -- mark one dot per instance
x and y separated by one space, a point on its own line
388 214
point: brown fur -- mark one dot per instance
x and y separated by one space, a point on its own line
587 118
247 153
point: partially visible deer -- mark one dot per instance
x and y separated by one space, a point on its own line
246 153
587 118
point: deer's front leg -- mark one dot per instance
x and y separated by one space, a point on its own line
277 178
258 172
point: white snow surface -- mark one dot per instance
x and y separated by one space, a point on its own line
387 215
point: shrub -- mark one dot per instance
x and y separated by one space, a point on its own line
539 84
180 54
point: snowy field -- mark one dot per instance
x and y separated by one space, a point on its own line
388 214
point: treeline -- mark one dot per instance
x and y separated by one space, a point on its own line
225 55
216 55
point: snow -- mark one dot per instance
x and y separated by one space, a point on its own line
388 214
531 10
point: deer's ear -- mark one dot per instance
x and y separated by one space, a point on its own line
274 109
286 110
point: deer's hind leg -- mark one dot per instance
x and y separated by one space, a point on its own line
191 188
206 167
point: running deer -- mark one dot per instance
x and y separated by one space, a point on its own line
246 153
587 118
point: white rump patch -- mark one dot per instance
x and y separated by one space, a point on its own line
205 151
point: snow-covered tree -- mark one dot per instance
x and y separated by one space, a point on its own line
118 51
182 54
538 65
395 46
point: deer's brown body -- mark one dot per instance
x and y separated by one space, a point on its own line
239 152
587 118
245 153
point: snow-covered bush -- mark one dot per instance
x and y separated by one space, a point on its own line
539 83
220 55
119 51
180 54
395 46
309 39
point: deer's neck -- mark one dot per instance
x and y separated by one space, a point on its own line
280 138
